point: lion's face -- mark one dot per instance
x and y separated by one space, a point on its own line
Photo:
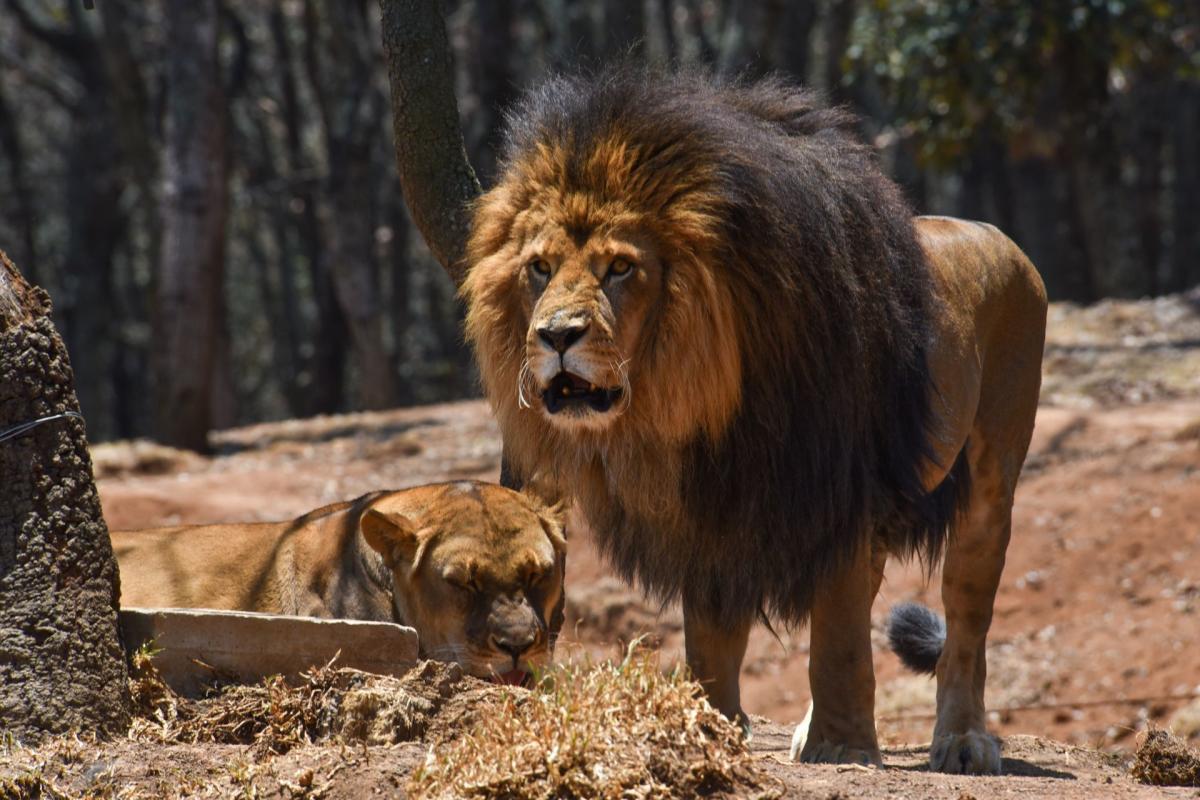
478 569
588 306
599 308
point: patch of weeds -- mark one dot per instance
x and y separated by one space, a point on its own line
1164 759
31 785
607 731
275 716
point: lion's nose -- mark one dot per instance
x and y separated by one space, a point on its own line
513 644
561 336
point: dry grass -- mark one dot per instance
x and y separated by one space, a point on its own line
274 716
1164 759
28 786
611 731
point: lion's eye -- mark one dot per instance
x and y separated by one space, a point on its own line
620 267
539 268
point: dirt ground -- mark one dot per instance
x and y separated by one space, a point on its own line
1034 768
1097 626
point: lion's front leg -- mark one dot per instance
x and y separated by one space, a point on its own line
841 672
714 655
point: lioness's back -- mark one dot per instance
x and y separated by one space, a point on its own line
194 566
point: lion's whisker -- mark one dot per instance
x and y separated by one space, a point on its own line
524 373
622 370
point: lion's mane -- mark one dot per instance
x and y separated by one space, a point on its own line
781 400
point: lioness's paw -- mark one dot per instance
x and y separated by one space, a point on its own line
970 753
822 752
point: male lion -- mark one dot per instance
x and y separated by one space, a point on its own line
477 569
701 309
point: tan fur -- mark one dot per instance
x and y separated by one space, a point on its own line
477 569
986 365
694 367
701 310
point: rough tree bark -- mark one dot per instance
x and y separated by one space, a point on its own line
435 175
438 182
61 662
193 248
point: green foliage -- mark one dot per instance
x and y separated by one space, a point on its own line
1026 72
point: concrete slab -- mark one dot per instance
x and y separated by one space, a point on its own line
250 646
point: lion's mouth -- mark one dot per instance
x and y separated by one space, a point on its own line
569 391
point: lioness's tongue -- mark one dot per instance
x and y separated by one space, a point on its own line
512 678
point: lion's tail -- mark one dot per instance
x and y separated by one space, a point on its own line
917 634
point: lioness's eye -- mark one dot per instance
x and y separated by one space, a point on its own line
462 583
619 267
537 577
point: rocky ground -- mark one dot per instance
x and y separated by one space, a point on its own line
1097 627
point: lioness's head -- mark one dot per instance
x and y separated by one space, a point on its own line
598 300
478 570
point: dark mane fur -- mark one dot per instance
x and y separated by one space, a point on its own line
818 248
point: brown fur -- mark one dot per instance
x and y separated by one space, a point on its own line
473 567
797 372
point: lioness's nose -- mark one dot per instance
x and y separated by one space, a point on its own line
561 336
513 644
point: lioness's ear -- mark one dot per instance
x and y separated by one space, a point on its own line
554 523
394 537
544 494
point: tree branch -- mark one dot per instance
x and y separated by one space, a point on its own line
435 175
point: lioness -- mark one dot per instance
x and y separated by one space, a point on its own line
475 568
700 308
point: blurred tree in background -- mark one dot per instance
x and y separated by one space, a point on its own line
1074 125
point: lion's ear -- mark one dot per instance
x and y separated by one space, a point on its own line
391 535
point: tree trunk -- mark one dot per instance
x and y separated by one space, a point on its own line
323 389
624 27
61 662
95 226
1185 256
743 45
23 215
837 37
351 111
438 182
193 251
791 45
494 78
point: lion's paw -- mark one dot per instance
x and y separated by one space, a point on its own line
815 749
970 753
821 752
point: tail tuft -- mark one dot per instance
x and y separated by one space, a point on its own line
916 634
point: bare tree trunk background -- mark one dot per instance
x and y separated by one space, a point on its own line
351 111
192 264
62 666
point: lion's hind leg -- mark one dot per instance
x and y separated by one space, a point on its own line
971 575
